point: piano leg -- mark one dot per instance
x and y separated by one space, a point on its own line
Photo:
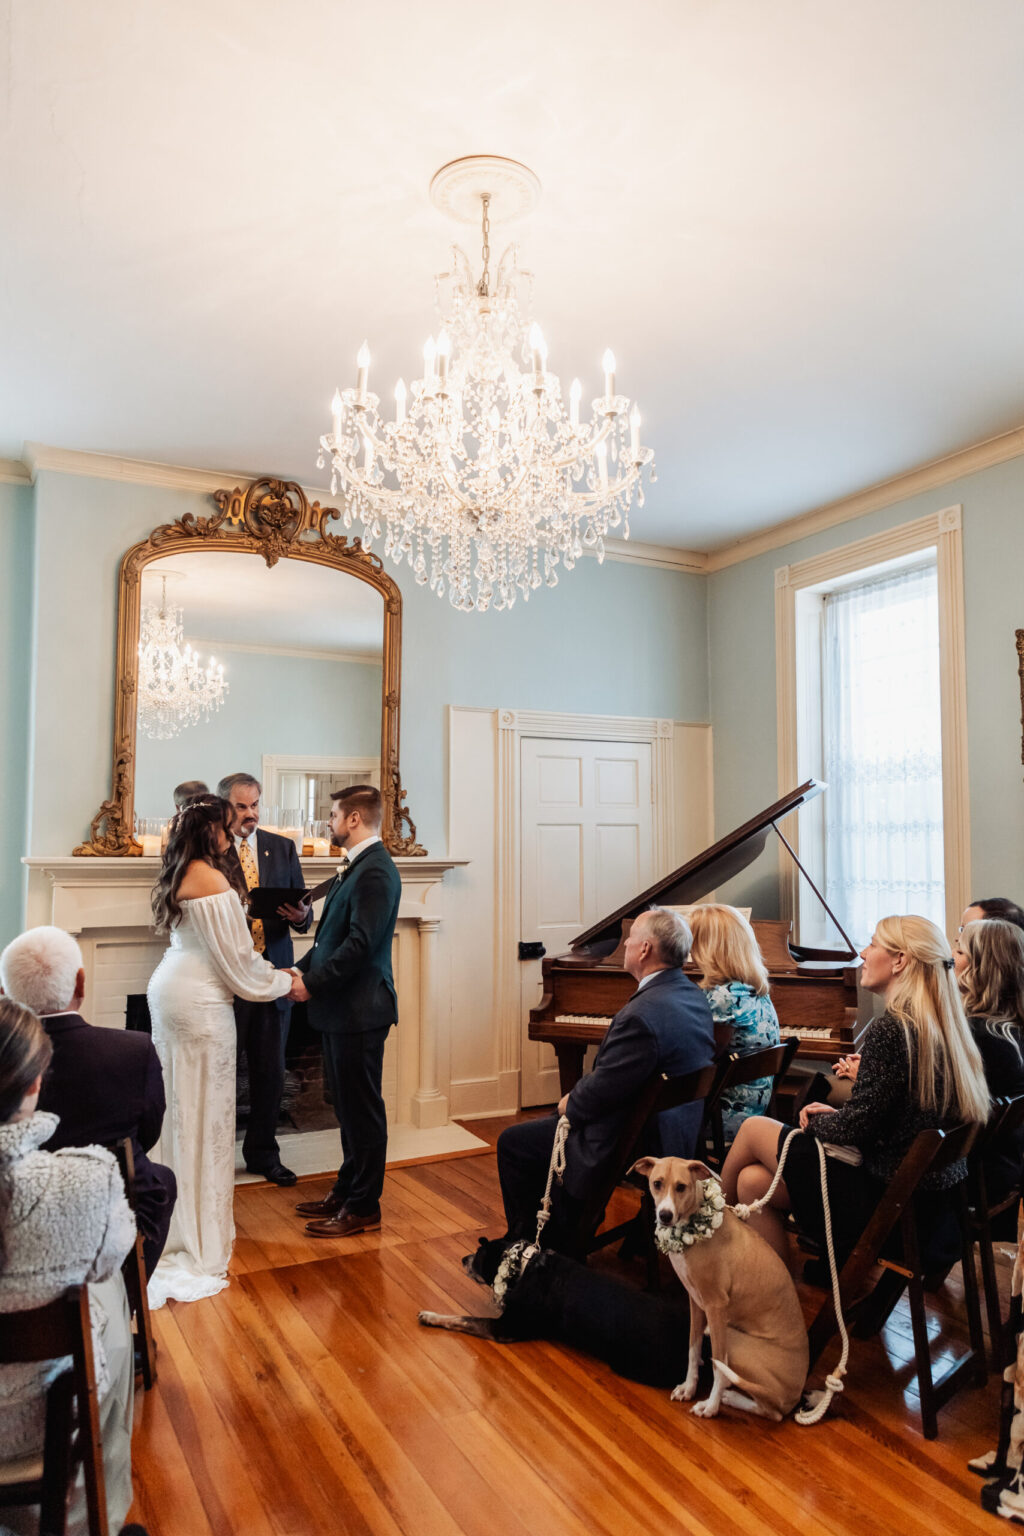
570 1054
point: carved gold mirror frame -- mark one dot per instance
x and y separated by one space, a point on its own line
272 518
1020 673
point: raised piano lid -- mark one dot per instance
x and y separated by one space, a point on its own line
728 857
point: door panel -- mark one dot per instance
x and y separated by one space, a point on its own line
586 846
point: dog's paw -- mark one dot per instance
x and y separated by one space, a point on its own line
708 1409
685 1390
430 1319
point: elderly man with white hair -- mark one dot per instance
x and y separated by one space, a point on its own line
104 1084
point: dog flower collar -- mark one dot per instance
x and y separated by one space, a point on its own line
703 1223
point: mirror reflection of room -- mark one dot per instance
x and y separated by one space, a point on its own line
277 670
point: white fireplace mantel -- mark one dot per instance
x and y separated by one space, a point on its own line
105 903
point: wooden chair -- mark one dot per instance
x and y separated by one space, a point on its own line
49 1333
930 1152
737 1069
1007 1118
659 1094
134 1272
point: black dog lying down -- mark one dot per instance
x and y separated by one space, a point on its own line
642 1336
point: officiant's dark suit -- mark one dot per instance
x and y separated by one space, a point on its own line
106 1084
263 1027
352 1003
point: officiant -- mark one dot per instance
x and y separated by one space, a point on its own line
266 859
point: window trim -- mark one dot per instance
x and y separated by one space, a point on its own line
942 531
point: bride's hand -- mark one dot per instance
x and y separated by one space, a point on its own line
298 993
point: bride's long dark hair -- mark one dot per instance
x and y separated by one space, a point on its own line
193 836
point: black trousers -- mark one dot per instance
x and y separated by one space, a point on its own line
262 1032
524 1157
354 1067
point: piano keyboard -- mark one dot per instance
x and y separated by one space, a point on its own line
808 1034
584 1018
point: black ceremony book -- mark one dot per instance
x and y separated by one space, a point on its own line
264 900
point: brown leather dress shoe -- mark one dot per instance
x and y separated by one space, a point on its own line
330 1205
346 1224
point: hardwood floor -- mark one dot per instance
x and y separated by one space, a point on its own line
306 1399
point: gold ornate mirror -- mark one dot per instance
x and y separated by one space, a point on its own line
220 569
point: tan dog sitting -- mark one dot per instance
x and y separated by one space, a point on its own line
739 1289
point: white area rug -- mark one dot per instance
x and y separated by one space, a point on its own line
320 1151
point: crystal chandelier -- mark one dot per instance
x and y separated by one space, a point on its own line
487 478
174 689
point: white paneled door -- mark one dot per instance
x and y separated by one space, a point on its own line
586 847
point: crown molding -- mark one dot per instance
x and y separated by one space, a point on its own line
664 556
108 466
14 472
926 477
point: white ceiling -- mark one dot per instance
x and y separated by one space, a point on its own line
235 599
798 223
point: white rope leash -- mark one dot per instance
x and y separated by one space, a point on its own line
556 1170
834 1382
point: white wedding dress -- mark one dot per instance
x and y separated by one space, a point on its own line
211 959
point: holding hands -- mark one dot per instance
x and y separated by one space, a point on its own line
298 993
847 1066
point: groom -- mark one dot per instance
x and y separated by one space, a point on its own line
346 982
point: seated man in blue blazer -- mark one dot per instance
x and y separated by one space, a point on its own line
266 858
105 1084
665 1027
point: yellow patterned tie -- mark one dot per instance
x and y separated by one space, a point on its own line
252 878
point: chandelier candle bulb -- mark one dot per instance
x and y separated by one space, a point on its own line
400 403
602 465
608 364
363 363
540 355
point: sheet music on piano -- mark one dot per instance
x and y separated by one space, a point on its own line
814 990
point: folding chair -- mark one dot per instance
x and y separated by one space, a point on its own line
49 1333
737 1069
134 1271
658 1095
930 1152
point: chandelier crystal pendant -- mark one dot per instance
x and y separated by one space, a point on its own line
487 478
175 690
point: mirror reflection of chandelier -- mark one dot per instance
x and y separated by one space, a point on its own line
175 690
487 478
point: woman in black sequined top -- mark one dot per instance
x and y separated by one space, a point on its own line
919 1069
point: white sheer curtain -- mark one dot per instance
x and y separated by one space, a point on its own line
883 750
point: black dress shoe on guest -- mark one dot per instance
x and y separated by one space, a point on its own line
330 1205
278 1174
347 1224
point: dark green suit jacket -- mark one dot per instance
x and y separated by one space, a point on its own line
348 970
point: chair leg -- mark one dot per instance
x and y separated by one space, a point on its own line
922 1357
990 1280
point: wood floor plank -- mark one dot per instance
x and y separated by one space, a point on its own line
307 1398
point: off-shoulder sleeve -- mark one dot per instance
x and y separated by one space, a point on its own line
221 925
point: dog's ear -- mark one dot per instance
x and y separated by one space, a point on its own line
701 1170
643 1166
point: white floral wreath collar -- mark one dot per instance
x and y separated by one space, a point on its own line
697 1228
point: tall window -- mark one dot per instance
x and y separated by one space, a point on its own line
882 749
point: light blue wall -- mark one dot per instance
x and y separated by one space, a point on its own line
742 675
16 537
615 639
274 704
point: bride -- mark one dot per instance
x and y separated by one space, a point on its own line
211 958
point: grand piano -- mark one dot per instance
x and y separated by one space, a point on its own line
814 990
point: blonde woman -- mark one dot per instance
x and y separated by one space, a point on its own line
920 1069
736 982
989 961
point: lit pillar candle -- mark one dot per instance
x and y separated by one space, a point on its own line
429 354
602 465
575 392
538 347
400 403
634 433
363 361
336 413
608 364
444 352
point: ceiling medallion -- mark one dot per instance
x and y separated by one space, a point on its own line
486 478
175 691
